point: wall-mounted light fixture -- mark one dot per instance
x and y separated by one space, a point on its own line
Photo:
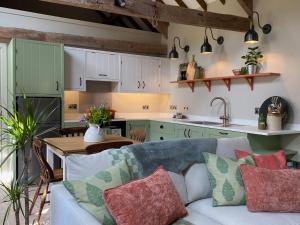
120 3
173 53
251 37
206 47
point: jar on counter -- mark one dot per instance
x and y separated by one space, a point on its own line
274 121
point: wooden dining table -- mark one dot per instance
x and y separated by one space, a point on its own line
63 147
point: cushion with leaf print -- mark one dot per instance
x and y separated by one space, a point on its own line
88 192
226 180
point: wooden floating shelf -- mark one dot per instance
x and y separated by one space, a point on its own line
227 80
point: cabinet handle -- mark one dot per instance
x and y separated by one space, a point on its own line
161 127
189 132
139 84
184 133
102 75
80 81
223 133
161 138
57 85
144 84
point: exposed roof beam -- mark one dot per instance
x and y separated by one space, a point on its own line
166 13
6 33
247 5
203 4
149 25
181 3
223 1
134 23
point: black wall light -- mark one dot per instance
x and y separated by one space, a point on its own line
120 3
206 47
251 37
173 53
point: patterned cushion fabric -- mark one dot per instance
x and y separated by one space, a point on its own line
273 161
225 179
152 200
88 192
271 190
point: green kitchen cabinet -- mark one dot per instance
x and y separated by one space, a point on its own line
160 131
218 133
185 131
138 124
38 67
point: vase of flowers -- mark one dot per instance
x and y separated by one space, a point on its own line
252 58
97 117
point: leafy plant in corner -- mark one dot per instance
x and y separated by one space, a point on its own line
252 56
17 133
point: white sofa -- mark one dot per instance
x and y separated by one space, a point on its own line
65 210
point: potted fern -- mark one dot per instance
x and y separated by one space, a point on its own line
252 58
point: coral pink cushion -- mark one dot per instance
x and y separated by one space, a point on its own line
271 190
273 161
150 201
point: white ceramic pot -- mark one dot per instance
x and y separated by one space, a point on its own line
94 134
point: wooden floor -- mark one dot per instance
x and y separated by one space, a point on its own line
45 220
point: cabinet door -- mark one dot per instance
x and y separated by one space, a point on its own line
165 76
195 132
137 124
114 67
150 74
97 65
131 73
181 131
39 68
74 69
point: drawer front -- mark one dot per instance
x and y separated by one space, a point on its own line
216 133
161 136
162 127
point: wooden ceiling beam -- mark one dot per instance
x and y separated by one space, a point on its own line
247 5
203 4
7 33
166 13
223 1
181 3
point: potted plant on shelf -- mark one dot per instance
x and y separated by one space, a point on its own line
97 117
252 58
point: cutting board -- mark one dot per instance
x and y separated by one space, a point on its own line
191 69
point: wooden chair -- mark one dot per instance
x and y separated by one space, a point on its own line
47 176
138 134
95 148
73 131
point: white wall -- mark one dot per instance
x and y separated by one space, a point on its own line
281 50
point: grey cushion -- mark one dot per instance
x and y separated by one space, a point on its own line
226 146
180 186
197 182
197 218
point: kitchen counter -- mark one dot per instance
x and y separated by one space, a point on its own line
164 117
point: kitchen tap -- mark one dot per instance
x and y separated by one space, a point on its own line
225 117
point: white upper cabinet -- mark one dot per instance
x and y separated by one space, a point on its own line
102 66
74 69
165 76
150 79
131 71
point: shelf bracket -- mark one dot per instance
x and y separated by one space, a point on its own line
250 81
208 84
227 83
191 85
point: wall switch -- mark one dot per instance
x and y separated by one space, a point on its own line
72 106
186 108
256 110
145 107
173 107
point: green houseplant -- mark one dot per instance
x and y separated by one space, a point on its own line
97 117
251 59
17 133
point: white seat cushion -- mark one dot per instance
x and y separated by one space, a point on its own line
226 146
197 218
239 215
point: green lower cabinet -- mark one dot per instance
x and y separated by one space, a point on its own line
74 124
264 144
161 131
138 124
185 131
217 133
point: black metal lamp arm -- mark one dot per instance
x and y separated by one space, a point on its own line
219 40
267 28
186 48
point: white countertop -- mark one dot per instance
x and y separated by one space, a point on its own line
248 126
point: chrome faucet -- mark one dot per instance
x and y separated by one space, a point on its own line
225 117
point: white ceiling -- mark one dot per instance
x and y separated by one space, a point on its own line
192 4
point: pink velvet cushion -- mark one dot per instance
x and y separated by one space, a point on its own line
271 190
152 200
273 161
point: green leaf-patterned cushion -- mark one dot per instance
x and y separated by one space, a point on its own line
226 180
88 192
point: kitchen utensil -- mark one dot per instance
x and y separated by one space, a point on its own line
191 69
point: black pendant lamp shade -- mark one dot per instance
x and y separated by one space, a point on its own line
206 47
173 53
120 3
251 37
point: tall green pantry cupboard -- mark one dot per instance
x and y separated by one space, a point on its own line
34 68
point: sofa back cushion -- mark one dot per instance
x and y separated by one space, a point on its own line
88 192
197 182
148 201
179 183
271 190
226 146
